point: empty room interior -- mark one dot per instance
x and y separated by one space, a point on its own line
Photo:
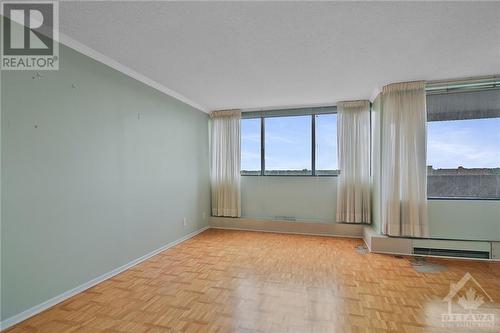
250 166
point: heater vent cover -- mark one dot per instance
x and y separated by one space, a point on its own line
451 253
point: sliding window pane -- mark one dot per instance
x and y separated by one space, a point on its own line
288 145
250 146
326 145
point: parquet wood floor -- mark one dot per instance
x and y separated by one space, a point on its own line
236 281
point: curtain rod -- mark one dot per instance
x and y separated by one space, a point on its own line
481 82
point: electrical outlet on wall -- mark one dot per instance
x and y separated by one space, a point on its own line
184 222
204 215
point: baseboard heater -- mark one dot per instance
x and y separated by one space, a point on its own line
452 248
451 253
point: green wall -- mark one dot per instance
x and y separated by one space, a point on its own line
94 176
314 199
464 219
303 197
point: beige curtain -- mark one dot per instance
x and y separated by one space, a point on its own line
353 141
225 163
403 163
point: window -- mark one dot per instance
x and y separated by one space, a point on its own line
326 144
298 142
463 148
288 145
250 146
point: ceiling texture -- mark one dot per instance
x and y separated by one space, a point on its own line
253 55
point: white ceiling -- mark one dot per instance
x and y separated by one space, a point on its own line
264 54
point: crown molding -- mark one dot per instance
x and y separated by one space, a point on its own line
91 53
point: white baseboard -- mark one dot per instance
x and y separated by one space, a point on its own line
287 232
70 293
288 227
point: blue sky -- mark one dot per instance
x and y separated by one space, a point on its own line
250 144
471 143
288 143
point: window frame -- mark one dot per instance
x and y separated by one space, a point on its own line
314 145
465 86
454 198
313 115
